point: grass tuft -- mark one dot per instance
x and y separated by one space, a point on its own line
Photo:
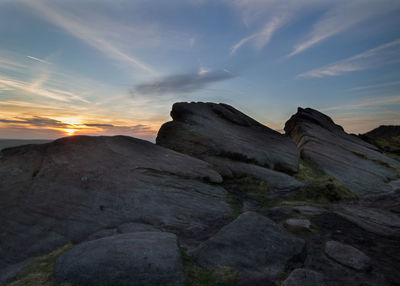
198 276
321 188
39 271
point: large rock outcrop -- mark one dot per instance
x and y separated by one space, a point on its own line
252 244
235 144
64 191
142 259
356 164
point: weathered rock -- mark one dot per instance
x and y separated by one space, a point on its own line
252 243
355 163
281 183
135 227
304 277
373 220
64 191
347 255
225 137
308 210
301 223
142 258
8 273
128 227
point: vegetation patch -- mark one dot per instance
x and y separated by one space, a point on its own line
198 276
249 188
39 271
321 188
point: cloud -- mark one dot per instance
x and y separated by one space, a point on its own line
98 125
84 30
203 70
36 87
385 54
181 83
262 37
387 100
341 17
38 60
386 84
38 122
11 65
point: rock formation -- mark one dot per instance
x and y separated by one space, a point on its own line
223 201
356 164
235 144
142 258
251 243
65 191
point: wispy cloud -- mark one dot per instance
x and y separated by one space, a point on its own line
386 84
37 121
50 123
36 87
341 17
181 83
262 37
84 31
374 102
8 64
388 53
38 60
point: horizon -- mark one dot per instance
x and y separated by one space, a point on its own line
116 68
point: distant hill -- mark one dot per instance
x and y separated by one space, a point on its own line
385 137
6 143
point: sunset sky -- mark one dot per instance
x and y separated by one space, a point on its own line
116 67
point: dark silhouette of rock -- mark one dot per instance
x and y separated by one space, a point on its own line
355 163
347 255
252 243
385 137
64 191
304 277
384 132
234 143
142 259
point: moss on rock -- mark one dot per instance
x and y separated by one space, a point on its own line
198 276
321 188
39 271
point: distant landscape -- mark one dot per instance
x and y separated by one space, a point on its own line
7 143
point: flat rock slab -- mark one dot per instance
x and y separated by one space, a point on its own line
67 190
142 258
209 129
281 183
356 164
304 277
301 223
252 243
347 255
309 210
372 219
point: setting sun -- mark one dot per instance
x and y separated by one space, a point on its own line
69 132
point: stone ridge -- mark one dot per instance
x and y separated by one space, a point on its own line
355 163
209 129
64 191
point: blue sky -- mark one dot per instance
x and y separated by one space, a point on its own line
116 67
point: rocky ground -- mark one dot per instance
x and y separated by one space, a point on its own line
219 200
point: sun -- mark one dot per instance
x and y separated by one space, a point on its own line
70 132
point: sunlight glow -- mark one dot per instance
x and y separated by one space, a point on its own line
70 132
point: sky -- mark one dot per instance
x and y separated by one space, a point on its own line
109 67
